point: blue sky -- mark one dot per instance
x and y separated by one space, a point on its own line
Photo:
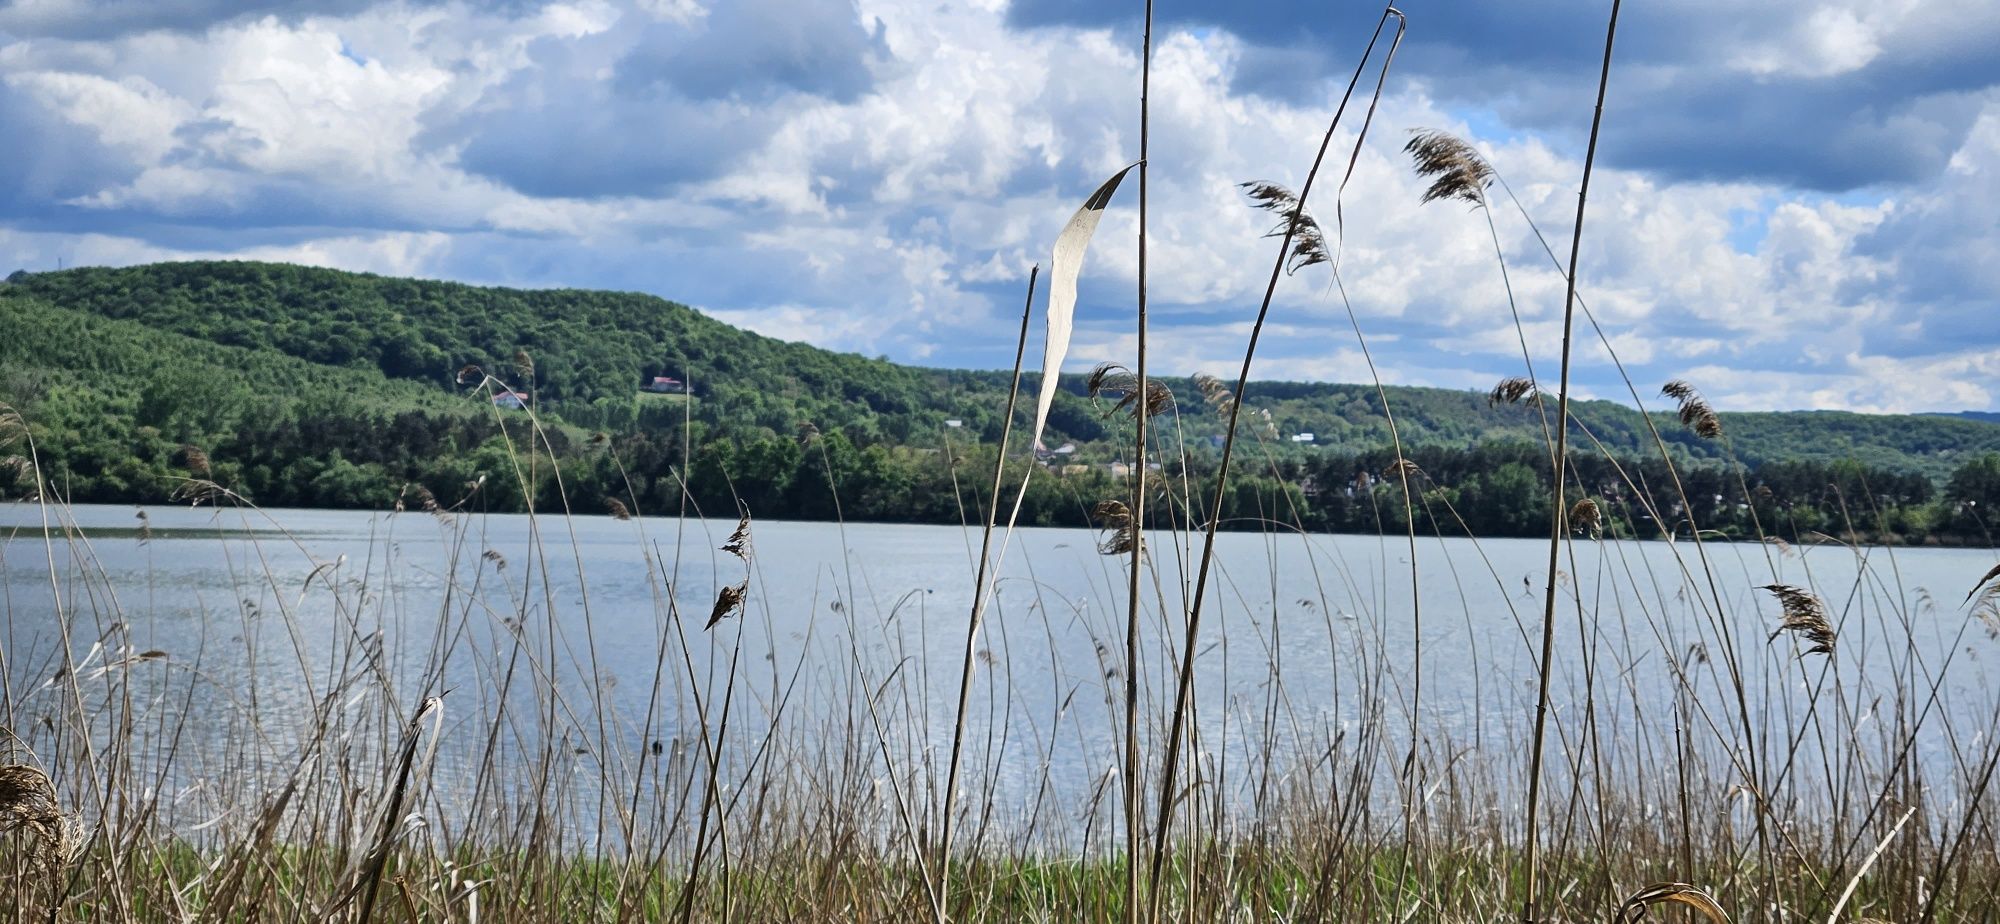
1795 206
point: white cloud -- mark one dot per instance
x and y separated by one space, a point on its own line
902 217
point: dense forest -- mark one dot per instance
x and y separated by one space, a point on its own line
293 386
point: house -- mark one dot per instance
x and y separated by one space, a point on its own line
511 400
1046 454
665 385
1302 437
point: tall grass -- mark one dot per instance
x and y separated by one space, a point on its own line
439 714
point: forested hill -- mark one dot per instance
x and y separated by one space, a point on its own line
320 386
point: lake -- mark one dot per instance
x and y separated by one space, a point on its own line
231 635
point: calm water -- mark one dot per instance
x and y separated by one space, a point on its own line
1307 641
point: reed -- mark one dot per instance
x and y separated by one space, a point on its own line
454 715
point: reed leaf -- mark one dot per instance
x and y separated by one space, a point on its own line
1674 893
1064 266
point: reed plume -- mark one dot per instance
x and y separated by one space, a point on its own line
728 600
1121 534
1513 390
196 459
1804 614
1695 413
1402 468
1214 393
738 543
1308 241
524 366
1114 380
1457 170
1586 517
617 509
28 803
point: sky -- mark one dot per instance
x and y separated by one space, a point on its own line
1794 205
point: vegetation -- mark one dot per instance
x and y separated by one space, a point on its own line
317 388
367 738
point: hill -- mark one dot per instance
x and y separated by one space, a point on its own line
324 387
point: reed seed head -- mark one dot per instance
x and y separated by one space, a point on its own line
738 543
1586 517
1805 615
617 509
728 600
1513 390
1456 169
1695 413
1401 468
28 803
196 459
1121 534
1308 241
1215 394
1114 380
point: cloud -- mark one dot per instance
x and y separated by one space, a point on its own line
1868 92
879 176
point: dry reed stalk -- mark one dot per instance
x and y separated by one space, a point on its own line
1559 457
1134 777
1982 582
1805 615
377 857
988 520
1184 677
